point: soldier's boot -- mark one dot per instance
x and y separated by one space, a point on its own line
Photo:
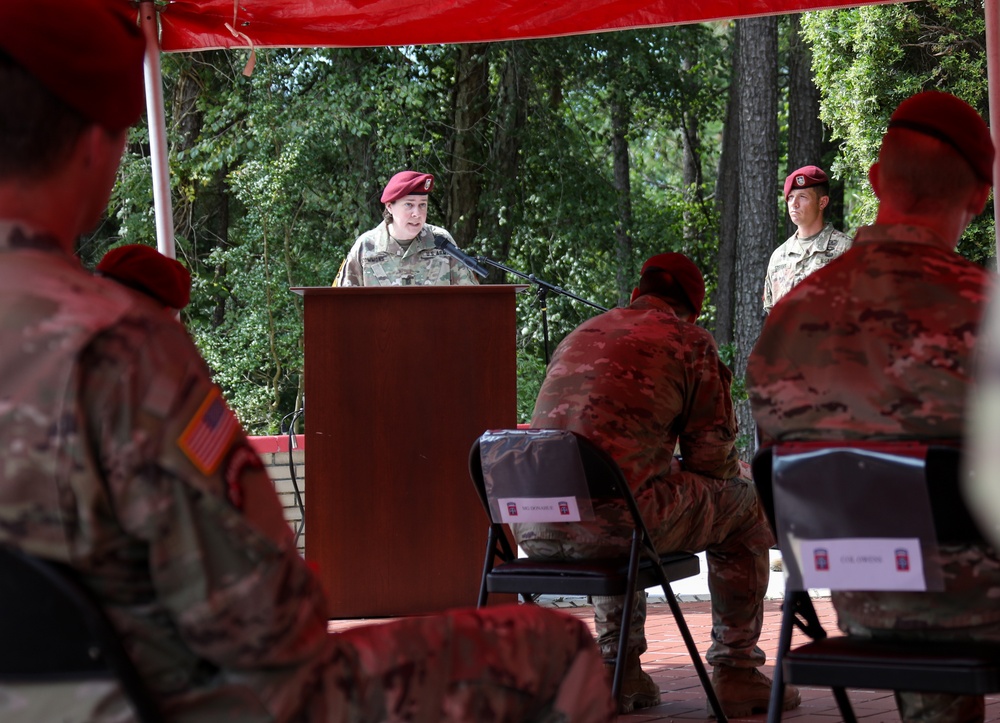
638 689
940 707
745 691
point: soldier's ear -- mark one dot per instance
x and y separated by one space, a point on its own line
873 179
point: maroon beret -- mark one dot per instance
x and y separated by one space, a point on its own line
679 270
951 120
805 177
88 53
145 269
407 183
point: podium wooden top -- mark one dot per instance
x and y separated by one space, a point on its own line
416 290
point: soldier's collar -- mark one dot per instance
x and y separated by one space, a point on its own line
16 235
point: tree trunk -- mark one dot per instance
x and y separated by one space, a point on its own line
805 129
757 227
621 119
498 223
727 200
471 102
691 174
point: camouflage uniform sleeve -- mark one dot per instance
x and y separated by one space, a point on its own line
460 275
768 297
708 439
351 272
183 479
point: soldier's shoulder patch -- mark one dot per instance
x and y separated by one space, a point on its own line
205 440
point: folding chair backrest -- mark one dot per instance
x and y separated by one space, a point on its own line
534 475
862 515
52 629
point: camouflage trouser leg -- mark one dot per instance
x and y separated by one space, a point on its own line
689 513
508 663
965 611
940 707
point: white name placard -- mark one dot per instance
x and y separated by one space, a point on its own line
864 563
539 509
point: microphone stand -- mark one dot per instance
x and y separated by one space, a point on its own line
544 287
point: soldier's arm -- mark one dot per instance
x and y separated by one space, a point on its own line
708 439
462 275
351 272
768 297
183 479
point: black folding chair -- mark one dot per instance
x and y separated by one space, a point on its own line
52 629
549 463
894 489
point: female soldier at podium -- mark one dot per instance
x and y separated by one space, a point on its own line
404 250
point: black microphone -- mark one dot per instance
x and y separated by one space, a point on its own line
452 250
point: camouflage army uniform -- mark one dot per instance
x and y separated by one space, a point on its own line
797 258
377 259
879 345
635 381
122 460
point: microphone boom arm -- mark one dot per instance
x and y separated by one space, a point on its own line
531 278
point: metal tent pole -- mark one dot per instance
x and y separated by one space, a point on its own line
157 131
992 9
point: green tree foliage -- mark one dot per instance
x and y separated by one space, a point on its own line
275 175
867 60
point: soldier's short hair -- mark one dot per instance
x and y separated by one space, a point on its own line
37 129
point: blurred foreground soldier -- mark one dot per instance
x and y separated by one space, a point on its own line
404 250
145 269
636 380
879 345
122 460
983 487
813 245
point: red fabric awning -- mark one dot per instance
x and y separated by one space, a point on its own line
204 24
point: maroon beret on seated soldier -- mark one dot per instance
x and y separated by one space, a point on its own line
675 269
952 121
407 183
88 53
805 177
145 269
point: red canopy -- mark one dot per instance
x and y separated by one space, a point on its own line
203 24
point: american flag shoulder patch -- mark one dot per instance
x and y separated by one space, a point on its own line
206 438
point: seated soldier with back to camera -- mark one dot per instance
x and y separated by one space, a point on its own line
635 381
879 345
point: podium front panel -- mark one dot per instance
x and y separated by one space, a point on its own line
399 382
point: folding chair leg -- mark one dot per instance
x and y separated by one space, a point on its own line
699 665
844 703
775 706
626 626
487 566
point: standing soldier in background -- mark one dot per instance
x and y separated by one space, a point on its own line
122 460
814 243
404 250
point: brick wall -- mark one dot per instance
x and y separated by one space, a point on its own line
274 452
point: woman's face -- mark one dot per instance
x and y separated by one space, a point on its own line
409 214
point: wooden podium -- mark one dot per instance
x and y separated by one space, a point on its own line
400 381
